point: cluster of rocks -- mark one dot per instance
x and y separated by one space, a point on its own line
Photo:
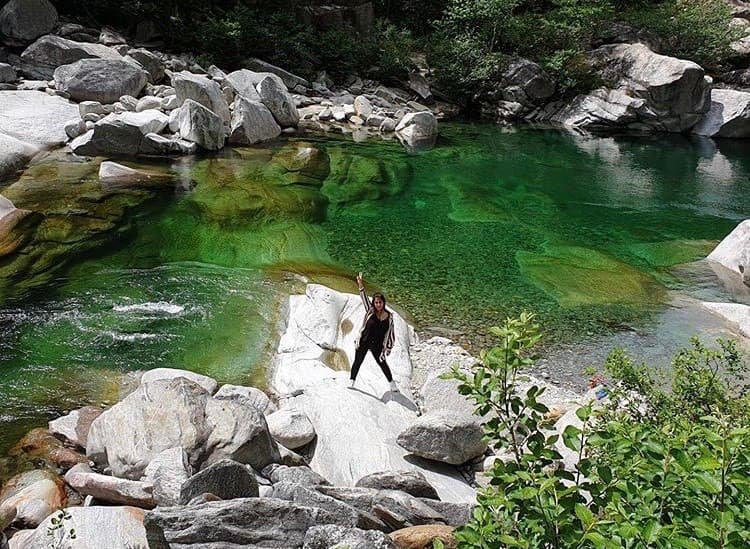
642 91
376 109
184 462
112 99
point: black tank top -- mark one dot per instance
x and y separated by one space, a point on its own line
374 332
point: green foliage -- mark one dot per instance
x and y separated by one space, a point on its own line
698 30
655 467
475 36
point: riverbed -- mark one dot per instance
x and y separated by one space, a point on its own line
601 237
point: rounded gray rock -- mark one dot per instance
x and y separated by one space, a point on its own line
22 21
445 437
411 482
226 479
103 80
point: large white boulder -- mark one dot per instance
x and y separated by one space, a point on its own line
444 436
201 126
42 57
49 114
252 123
201 90
278 100
418 126
736 314
100 527
244 81
249 396
290 428
646 91
728 116
733 252
169 413
358 427
22 21
148 121
103 80
208 383
167 472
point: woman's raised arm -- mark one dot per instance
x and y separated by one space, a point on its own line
363 292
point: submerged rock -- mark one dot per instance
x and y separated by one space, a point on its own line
575 275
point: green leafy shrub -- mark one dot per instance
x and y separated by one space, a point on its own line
655 468
474 37
698 30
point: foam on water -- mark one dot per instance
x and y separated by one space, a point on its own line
150 308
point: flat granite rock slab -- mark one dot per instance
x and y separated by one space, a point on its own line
35 117
356 436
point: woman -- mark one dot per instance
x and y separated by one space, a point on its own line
376 334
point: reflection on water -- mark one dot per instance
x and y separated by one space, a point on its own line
590 233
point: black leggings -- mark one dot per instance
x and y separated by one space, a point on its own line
359 356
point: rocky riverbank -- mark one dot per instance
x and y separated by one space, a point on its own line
184 461
91 90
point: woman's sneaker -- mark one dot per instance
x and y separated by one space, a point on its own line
394 387
351 384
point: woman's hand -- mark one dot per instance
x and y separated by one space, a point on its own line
360 283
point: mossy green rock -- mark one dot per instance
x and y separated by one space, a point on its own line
236 191
672 252
357 179
575 275
299 163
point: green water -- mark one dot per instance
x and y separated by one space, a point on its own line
189 269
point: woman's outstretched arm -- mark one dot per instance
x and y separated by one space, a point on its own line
363 292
